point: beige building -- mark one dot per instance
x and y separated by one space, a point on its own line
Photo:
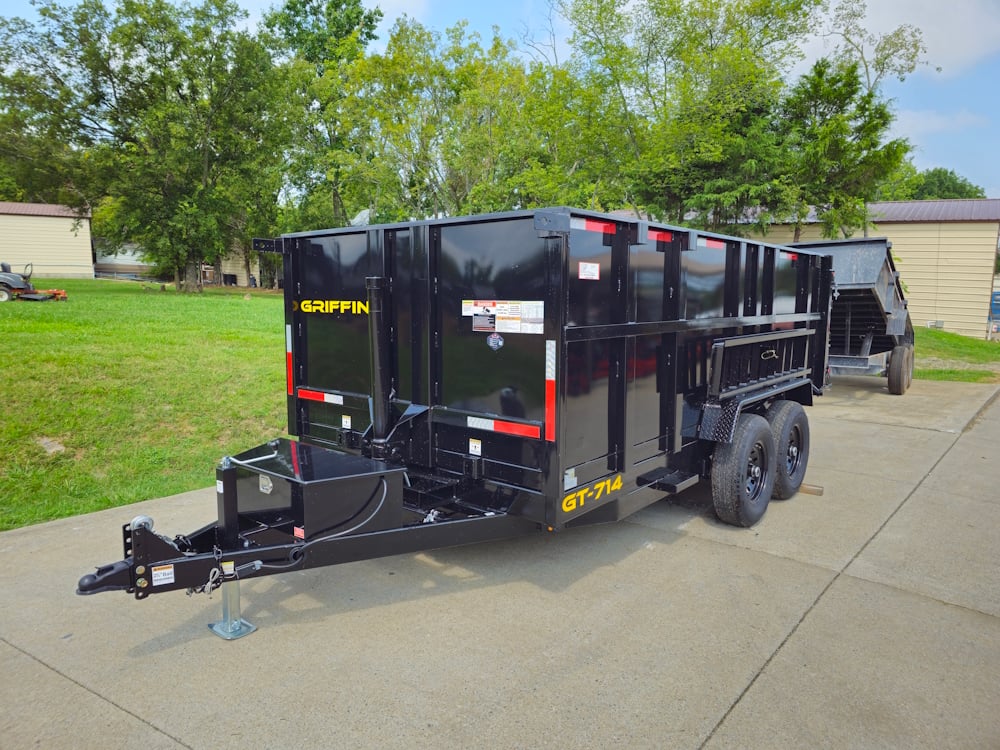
234 270
52 238
945 253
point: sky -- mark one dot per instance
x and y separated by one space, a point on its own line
950 116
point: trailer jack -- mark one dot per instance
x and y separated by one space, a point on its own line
231 626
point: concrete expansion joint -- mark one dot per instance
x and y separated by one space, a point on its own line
842 573
93 692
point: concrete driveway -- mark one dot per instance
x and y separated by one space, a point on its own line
865 617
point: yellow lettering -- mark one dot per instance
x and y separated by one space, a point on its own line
599 489
341 306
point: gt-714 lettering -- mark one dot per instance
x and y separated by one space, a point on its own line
592 492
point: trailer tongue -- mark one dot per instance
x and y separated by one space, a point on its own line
461 380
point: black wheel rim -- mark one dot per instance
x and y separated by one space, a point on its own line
756 471
794 451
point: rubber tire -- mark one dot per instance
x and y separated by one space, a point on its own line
790 427
740 498
898 368
5 295
909 366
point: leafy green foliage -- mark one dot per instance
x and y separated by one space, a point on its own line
187 134
839 152
939 182
157 109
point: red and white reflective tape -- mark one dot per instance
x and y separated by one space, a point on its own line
507 428
326 398
592 225
550 390
711 242
660 235
288 359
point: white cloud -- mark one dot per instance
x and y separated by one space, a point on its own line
914 124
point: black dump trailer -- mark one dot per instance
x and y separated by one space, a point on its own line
460 380
870 328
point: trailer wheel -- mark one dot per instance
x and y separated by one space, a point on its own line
900 370
4 294
790 428
743 472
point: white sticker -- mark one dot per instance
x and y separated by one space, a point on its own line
218 486
345 421
569 479
506 316
475 447
228 568
590 271
533 317
163 574
333 398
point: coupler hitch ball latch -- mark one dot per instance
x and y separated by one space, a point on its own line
116 576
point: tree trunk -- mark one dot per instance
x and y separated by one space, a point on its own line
246 263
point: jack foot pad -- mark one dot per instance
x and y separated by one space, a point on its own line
232 629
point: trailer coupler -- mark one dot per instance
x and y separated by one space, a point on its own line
114 577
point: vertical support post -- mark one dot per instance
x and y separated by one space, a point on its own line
378 330
232 625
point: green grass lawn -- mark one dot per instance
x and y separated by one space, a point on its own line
126 393
943 345
940 355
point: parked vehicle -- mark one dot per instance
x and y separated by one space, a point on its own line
459 380
17 286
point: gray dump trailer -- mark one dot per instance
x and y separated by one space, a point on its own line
870 328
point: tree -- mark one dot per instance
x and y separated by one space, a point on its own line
692 85
320 41
901 184
896 54
170 108
839 154
939 182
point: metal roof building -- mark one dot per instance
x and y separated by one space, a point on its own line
54 239
945 252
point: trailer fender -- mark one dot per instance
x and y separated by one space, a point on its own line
718 419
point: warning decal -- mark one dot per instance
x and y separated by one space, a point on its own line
163 574
505 316
590 271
